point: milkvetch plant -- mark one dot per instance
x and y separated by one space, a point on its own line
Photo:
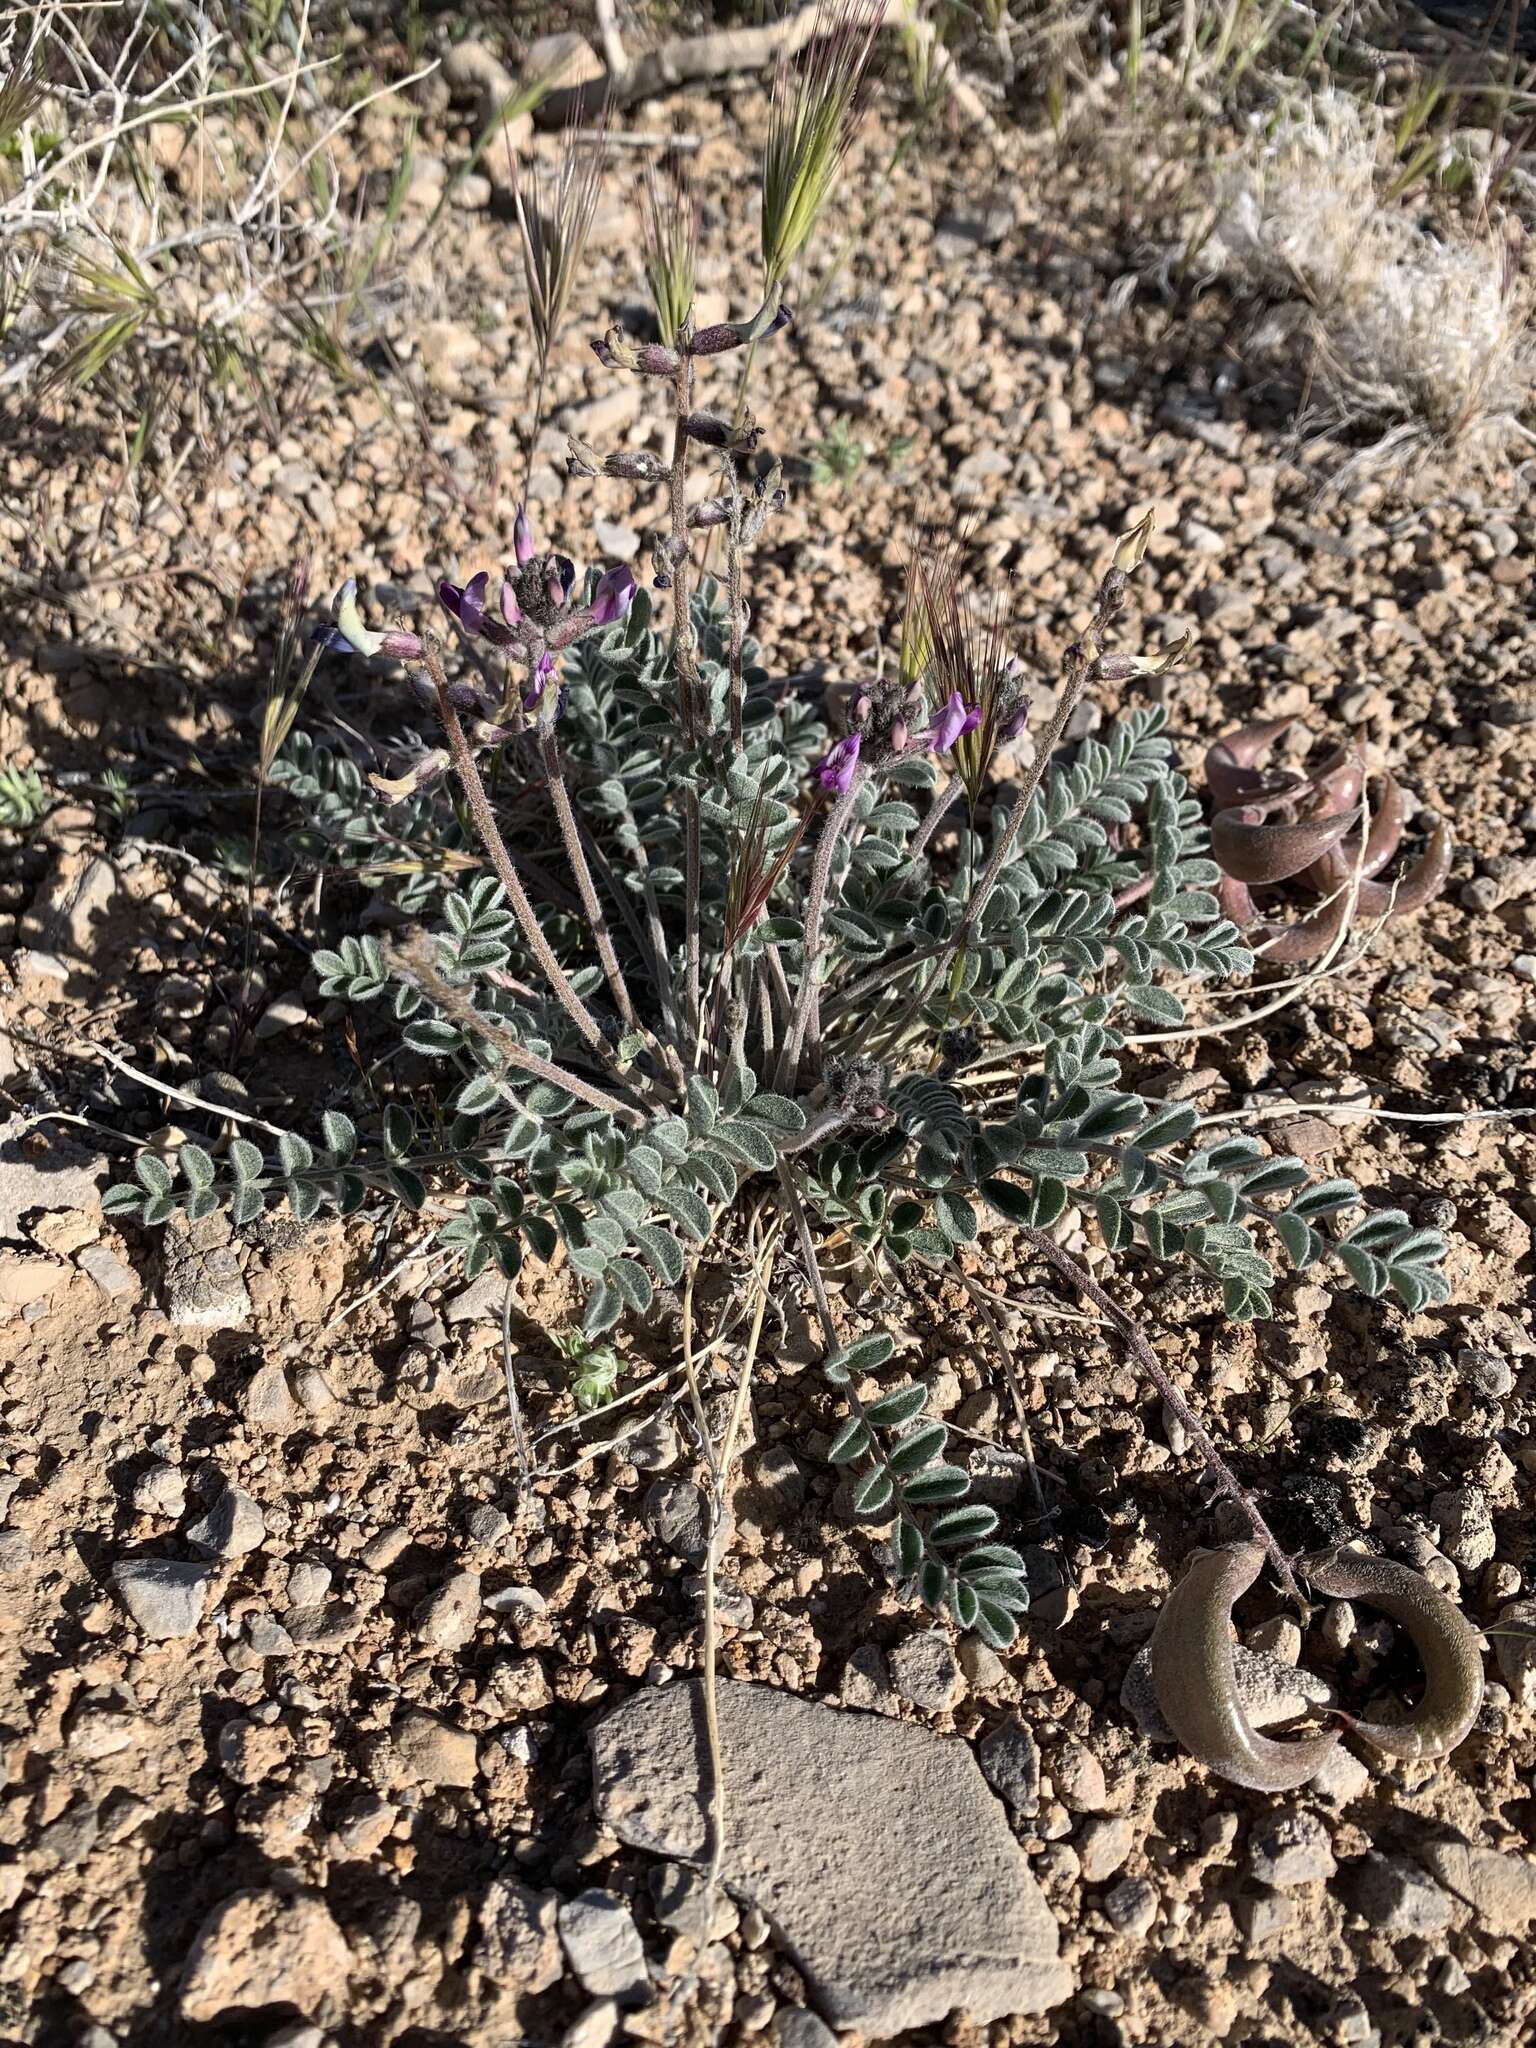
682 951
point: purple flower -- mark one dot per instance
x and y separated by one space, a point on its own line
472 602
509 610
836 773
615 590
951 722
534 694
522 537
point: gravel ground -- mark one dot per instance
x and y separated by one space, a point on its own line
296 1688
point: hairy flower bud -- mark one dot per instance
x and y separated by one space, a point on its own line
616 351
729 334
714 432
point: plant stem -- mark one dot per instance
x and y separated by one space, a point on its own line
468 772
1082 1281
815 907
935 812
575 853
416 962
734 599
1071 693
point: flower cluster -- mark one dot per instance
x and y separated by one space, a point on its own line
883 730
532 616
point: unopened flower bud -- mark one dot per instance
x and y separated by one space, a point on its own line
714 432
900 735
616 351
729 334
522 537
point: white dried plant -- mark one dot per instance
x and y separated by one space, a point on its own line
1415 330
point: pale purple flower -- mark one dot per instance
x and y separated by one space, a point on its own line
522 537
534 695
836 773
951 722
615 590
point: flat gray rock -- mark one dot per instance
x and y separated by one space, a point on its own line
885 1866
165 1597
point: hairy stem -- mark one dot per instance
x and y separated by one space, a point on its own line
575 853
473 786
815 909
1082 1281
1071 694
415 961
935 813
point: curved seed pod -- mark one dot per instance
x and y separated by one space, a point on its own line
1236 901
1231 764
1336 869
1337 784
1425 879
1387 822
1256 849
1308 939
1422 883
1449 1648
1195 1679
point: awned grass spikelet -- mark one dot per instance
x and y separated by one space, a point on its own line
669 227
816 101
968 652
554 219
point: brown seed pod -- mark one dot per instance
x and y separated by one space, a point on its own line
1297 834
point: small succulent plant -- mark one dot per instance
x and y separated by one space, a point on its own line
1315 838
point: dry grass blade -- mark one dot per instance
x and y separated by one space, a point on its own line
816 102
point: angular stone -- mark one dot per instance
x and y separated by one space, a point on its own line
164 1596
519 1948
924 1671
1291 1848
678 1514
874 1849
102 1265
1010 1760
1500 1889
41 1171
262 1948
446 1619
204 1290
232 1527
433 1752
603 1946
1397 1897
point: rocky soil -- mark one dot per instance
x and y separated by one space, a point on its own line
313 1727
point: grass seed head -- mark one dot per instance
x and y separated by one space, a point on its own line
817 97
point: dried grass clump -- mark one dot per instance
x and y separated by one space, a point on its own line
1419 333
1303 216
1438 353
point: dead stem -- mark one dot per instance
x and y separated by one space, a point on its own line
720 1461
1082 1281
